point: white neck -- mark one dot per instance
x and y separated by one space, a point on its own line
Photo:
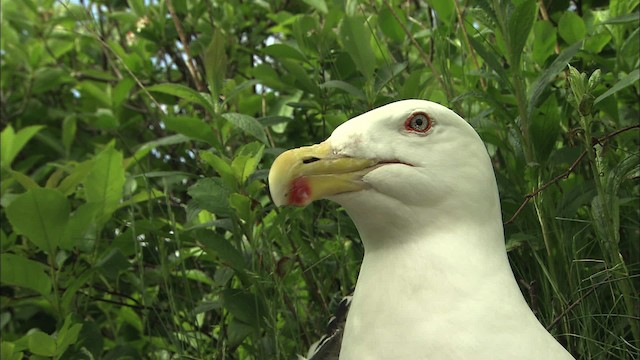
446 292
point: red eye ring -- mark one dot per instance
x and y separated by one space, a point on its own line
418 122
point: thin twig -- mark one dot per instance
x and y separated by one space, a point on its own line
575 303
183 38
483 84
423 55
115 54
566 174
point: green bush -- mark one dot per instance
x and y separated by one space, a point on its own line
137 137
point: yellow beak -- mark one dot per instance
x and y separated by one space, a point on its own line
300 176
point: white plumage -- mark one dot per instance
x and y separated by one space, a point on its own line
435 282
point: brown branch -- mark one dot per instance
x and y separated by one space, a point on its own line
545 16
566 174
183 38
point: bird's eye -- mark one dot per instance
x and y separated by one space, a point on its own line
418 122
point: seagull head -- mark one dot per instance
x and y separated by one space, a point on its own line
406 162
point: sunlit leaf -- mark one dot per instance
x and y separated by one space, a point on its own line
356 40
183 92
12 142
519 27
247 124
41 343
571 27
192 127
215 59
105 181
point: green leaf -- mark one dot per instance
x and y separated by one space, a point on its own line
8 351
520 24
91 90
104 184
49 79
547 76
217 245
24 180
571 27
245 306
248 124
130 317
490 58
623 19
302 80
356 40
73 286
267 76
242 205
246 161
112 263
215 63
238 331
41 343
545 128
192 127
387 73
222 167
137 6
344 86
319 5
389 25
244 86
104 119
444 10
628 168
144 149
193 274
185 93
80 222
630 79
92 339
11 143
211 194
69 129
41 215
68 185
67 335
284 51
594 43
20 271
544 41
121 92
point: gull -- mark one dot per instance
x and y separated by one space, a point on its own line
435 280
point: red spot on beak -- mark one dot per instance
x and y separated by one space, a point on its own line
299 192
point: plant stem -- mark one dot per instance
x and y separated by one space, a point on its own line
611 250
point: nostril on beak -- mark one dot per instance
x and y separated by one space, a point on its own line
310 160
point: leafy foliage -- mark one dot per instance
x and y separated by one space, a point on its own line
137 137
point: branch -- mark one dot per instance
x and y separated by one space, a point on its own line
183 38
566 174
575 303
423 55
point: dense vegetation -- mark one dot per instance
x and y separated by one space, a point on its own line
137 136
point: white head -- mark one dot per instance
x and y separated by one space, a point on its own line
408 163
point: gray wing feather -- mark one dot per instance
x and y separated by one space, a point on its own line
328 347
